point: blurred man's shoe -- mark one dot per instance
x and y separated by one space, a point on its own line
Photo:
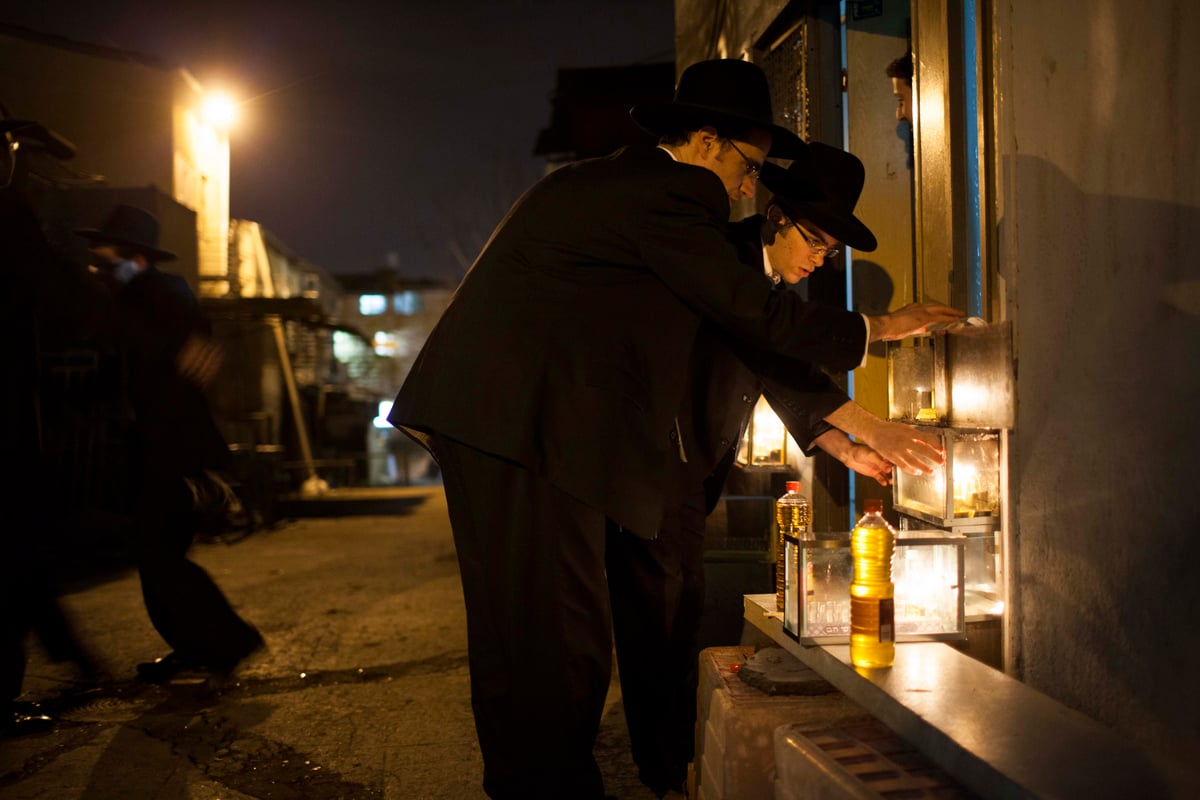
162 670
21 718
175 668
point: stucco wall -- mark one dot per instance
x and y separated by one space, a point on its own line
1099 196
118 113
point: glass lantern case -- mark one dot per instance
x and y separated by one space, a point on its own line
963 492
927 569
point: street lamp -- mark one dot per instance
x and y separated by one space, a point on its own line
219 110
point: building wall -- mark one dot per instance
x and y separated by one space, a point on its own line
1096 187
1099 188
883 279
135 123
410 330
117 112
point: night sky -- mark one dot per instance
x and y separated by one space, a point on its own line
377 128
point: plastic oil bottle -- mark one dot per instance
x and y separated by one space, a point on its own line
792 518
872 609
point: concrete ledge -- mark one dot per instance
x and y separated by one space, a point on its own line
992 733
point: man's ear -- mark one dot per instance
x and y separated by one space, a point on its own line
707 136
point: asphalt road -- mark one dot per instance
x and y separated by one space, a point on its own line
361 693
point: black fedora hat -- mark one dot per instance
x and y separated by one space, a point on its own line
823 187
129 226
722 91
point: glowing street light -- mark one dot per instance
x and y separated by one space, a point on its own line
219 110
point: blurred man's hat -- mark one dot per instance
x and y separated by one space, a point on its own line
129 226
723 91
823 187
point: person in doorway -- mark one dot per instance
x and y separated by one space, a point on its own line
549 392
901 73
657 586
177 449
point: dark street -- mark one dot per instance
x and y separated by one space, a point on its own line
361 693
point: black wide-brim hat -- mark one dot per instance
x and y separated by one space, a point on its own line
823 187
722 92
129 226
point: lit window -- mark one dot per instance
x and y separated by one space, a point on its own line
347 347
370 305
385 344
385 408
407 303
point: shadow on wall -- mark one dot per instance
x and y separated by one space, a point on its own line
873 291
1105 294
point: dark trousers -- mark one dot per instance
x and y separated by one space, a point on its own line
29 604
657 590
185 605
539 630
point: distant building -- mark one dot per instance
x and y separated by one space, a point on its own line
397 315
296 382
137 125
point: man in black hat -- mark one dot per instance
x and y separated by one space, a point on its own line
170 357
549 392
35 284
657 586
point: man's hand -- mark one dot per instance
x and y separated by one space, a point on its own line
866 461
911 320
855 456
913 450
199 359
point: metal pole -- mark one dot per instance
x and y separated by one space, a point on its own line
313 484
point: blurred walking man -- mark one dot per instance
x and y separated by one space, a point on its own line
170 358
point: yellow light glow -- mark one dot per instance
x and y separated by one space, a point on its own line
970 399
769 445
219 110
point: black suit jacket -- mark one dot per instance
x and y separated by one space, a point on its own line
174 424
726 378
566 347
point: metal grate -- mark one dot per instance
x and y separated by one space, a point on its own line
786 67
872 756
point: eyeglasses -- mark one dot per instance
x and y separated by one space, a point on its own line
818 247
753 168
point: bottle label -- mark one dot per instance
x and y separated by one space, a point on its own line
887 620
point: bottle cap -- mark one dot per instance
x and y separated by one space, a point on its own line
792 486
873 506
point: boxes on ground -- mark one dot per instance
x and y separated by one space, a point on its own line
735 725
927 570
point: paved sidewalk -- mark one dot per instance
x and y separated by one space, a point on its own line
362 692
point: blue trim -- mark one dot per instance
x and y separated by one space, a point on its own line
971 108
848 254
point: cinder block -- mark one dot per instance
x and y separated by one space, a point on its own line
855 760
735 727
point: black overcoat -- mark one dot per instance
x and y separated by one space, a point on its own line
566 347
729 375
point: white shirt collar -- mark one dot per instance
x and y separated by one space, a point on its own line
768 270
